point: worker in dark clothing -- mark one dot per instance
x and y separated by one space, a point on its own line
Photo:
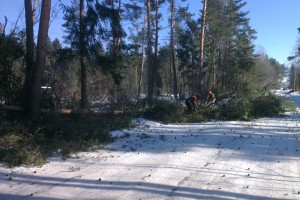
191 102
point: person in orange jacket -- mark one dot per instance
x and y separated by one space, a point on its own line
191 102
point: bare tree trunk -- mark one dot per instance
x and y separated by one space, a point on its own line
115 34
297 86
40 60
143 60
149 54
155 74
202 44
175 87
119 21
82 49
295 77
114 45
34 10
170 74
29 53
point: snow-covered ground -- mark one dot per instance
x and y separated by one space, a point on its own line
214 160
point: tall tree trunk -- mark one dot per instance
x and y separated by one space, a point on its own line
170 74
35 2
149 54
295 78
143 59
40 60
114 45
202 44
29 53
82 50
116 35
119 21
116 39
175 86
155 74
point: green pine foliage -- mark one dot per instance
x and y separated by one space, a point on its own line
166 112
57 134
265 105
268 105
11 53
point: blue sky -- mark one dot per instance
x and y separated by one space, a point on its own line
275 21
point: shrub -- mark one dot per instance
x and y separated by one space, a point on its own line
78 130
265 105
237 110
288 105
18 146
47 99
166 112
56 133
170 112
268 105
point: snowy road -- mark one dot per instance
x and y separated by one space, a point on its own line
214 160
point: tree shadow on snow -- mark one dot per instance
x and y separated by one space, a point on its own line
141 189
267 139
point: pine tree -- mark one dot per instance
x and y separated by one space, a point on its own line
230 53
39 66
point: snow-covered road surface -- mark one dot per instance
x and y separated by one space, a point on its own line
214 160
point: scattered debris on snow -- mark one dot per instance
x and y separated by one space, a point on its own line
213 160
